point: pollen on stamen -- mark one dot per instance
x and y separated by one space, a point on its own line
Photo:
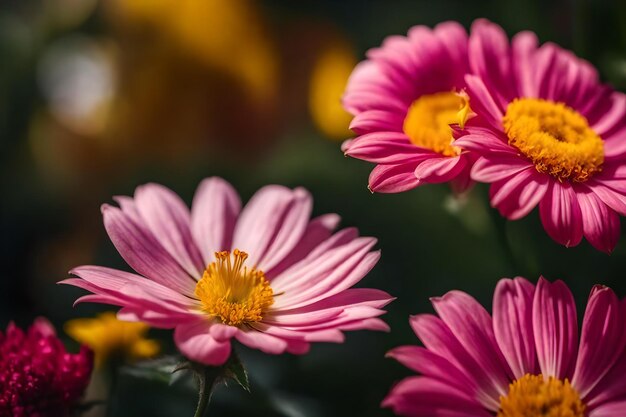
555 138
233 293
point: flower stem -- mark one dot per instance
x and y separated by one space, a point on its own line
206 383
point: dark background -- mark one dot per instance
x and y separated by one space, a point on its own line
96 98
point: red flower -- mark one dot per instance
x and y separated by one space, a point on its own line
38 377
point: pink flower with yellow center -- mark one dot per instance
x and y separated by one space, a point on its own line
548 133
266 275
38 377
526 361
404 98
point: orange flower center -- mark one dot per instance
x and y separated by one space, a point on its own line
427 123
233 293
555 137
534 396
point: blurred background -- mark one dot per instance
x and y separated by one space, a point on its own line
97 97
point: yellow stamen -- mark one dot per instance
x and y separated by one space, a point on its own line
534 396
555 137
428 120
110 338
233 293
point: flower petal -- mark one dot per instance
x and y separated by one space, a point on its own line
393 178
601 225
167 217
560 214
513 324
555 328
214 212
194 340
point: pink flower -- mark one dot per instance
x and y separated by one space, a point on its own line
548 133
38 378
526 361
266 275
404 98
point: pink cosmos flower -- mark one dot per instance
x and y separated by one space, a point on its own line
404 98
528 360
266 275
38 378
548 133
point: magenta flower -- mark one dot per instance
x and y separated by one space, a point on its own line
266 275
526 361
38 377
404 98
548 133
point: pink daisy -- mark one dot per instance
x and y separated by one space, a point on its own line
548 133
266 275
527 361
404 98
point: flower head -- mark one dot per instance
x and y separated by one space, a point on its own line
548 133
110 338
38 377
526 361
404 98
266 275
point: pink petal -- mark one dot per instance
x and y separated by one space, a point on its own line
513 325
440 169
214 212
485 142
523 47
489 60
601 225
483 103
555 328
196 343
271 224
261 341
393 178
386 148
515 197
602 340
472 326
495 168
167 217
377 121
560 214
428 363
423 396
144 253
318 230
612 409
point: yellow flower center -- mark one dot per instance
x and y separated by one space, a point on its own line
233 293
427 123
555 137
534 396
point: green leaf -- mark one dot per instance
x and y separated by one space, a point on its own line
163 369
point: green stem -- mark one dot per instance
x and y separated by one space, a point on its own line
500 226
206 382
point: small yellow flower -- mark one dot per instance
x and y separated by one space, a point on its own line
328 82
109 337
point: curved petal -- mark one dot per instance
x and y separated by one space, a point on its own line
214 212
555 328
262 341
423 396
271 224
601 225
513 324
194 340
393 178
515 197
440 169
472 326
602 341
168 218
495 168
143 252
560 214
